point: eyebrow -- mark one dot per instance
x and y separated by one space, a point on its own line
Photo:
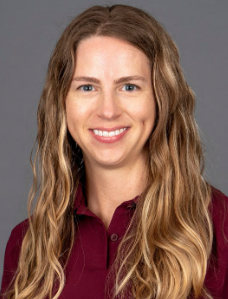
117 81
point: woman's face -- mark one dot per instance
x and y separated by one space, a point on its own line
110 105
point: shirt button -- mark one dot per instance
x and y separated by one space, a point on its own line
114 237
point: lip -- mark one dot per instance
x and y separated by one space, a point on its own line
112 139
109 129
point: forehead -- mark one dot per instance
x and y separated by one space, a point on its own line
109 54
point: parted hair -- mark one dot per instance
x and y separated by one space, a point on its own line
165 251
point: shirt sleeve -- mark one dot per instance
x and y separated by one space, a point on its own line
217 275
12 253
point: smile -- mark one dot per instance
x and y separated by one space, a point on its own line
109 134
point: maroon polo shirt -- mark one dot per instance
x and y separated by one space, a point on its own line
95 248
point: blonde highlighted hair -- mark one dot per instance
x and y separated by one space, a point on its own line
165 251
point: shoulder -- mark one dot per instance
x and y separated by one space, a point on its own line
219 210
219 215
16 236
14 245
218 197
12 253
21 228
217 274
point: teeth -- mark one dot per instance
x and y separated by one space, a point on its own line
108 134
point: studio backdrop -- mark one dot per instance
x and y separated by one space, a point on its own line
28 33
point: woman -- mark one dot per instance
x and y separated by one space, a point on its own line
122 210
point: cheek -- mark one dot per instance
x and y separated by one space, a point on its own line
71 118
147 116
72 112
145 112
77 115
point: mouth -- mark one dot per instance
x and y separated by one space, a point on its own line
108 133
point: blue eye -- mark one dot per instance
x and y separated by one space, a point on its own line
130 87
86 87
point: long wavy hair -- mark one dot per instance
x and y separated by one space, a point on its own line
165 251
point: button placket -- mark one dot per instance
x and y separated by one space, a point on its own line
114 237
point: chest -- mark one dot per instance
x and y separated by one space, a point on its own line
93 254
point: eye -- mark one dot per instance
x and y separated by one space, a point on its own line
130 87
86 87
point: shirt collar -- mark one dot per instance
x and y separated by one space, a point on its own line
82 209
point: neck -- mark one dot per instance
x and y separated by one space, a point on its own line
106 188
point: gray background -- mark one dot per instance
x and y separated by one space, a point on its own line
28 33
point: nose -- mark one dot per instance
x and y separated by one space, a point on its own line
109 106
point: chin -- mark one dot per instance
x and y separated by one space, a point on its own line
110 161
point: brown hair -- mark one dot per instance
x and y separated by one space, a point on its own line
164 253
